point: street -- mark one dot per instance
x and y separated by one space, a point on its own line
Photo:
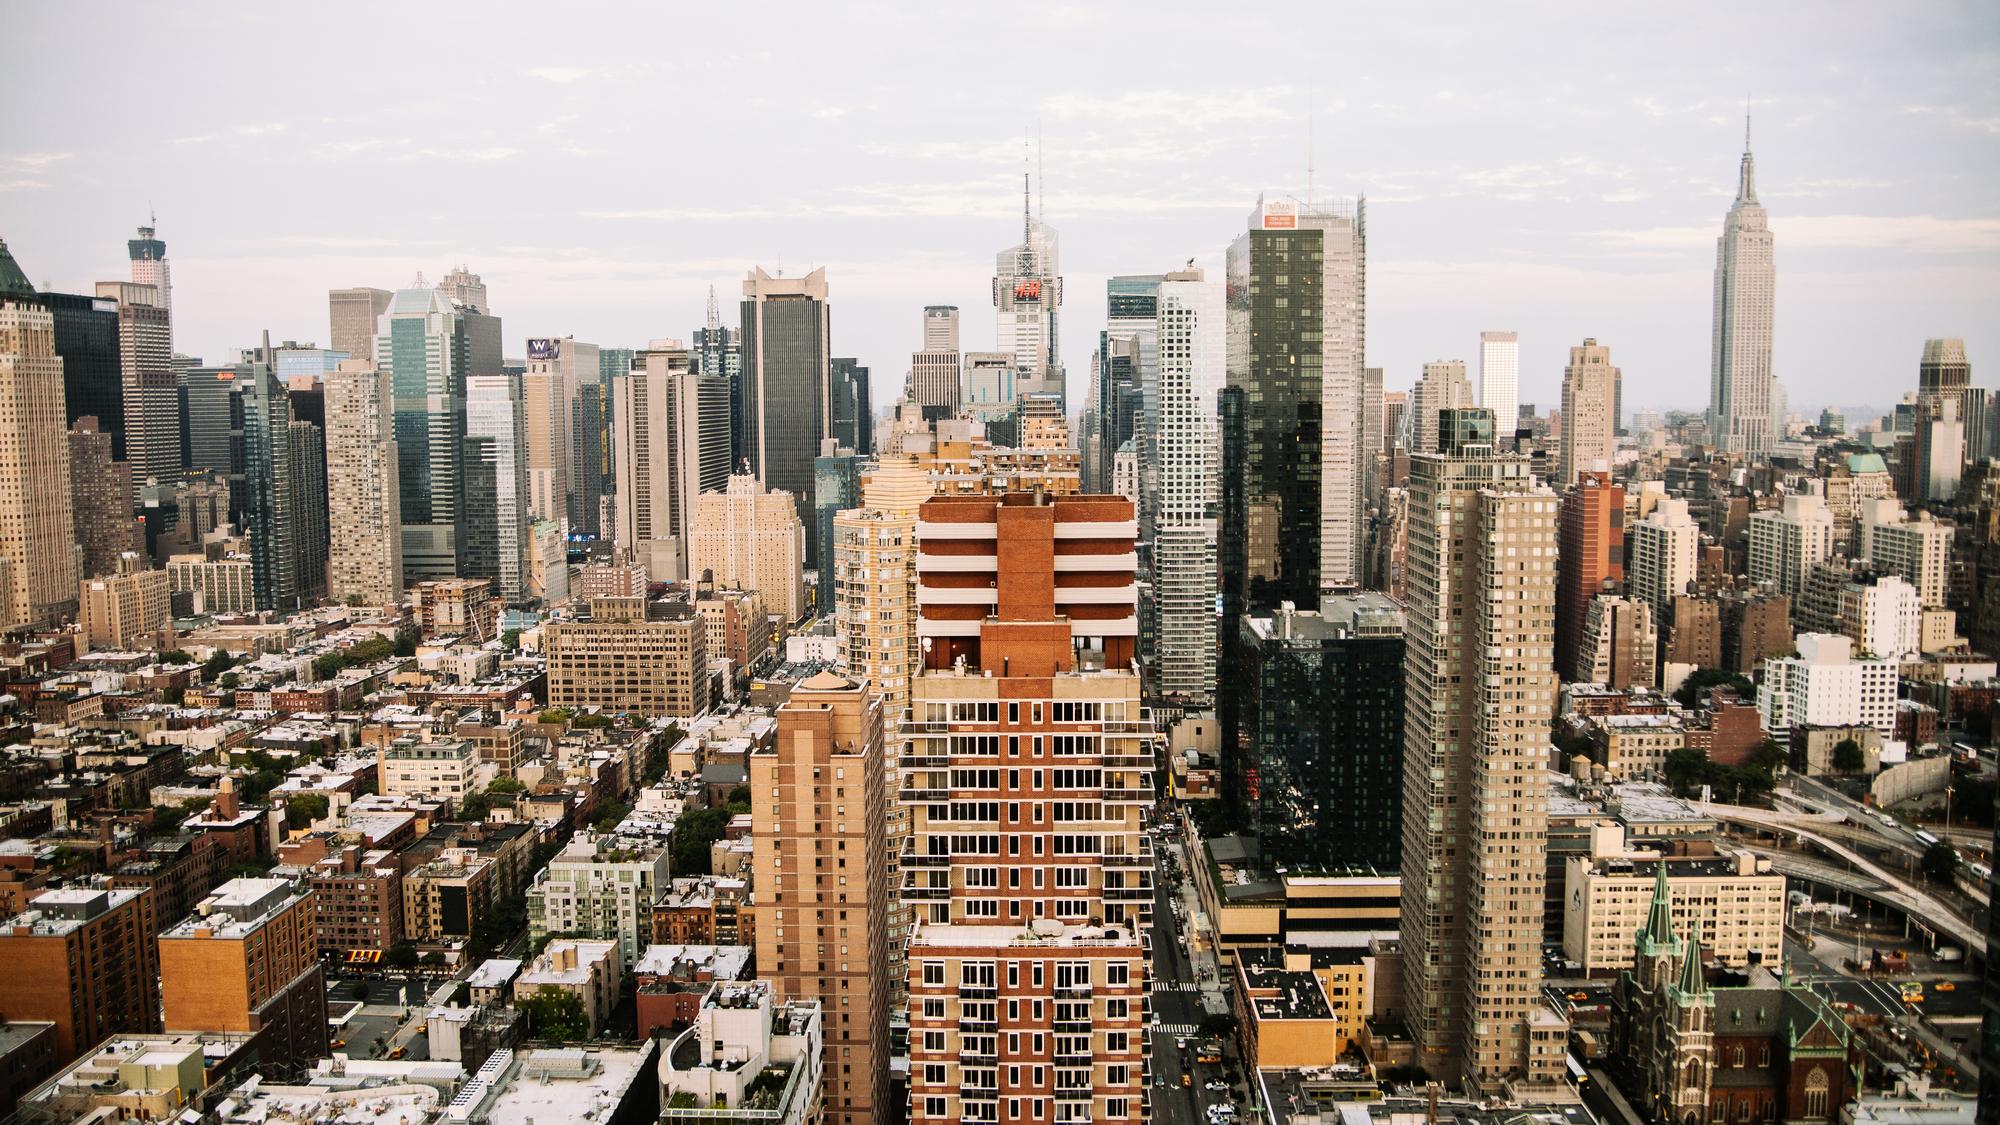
1177 1012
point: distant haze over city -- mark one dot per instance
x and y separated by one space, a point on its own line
1562 175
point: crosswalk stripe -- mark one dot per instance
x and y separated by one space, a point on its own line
1174 1028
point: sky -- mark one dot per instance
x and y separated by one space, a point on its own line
1559 170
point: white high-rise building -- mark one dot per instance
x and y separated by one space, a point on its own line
1589 402
1027 292
1740 377
1884 617
1188 458
1665 546
1787 542
495 524
1825 685
670 444
557 372
365 553
149 264
1500 384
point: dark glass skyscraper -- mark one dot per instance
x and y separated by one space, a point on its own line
853 417
93 382
785 407
1325 725
423 345
267 483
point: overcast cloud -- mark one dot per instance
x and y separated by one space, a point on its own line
1560 170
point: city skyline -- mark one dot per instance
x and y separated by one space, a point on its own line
1553 211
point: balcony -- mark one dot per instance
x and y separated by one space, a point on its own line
980 1027
977 529
1116 563
911 859
958 595
979 1058
923 796
977 992
1128 894
926 894
957 564
1097 595
1072 992
1072 1027
923 761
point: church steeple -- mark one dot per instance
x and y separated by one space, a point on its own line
1659 931
1693 982
1746 177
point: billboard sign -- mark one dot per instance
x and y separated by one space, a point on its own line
543 348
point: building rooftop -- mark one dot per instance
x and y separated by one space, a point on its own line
59 912
1043 932
723 962
236 909
494 972
566 963
549 1086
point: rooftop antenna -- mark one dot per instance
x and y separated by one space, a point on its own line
1746 123
1309 146
1041 181
1027 203
714 313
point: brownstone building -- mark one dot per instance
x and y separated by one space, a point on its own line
1694 637
84 960
1755 626
246 961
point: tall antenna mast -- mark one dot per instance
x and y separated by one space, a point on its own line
1041 181
1309 146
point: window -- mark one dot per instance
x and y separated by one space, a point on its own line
1816 1092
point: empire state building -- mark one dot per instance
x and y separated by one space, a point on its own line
1740 378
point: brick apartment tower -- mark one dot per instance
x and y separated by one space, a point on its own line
84 960
822 893
1591 559
1028 770
247 960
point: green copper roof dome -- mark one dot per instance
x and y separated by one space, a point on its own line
13 283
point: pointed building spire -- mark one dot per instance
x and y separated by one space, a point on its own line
714 314
1746 181
1659 931
1693 981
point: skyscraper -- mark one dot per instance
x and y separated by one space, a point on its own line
309 511
590 458
1028 944
151 396
466 294
717 352
1297 320
267 482
1027 292
83 958
934 369
1741 378
421 344
785 401
100 500
750 538
558 370
149 264
1325 714
1480 691
1500 382
36 520
495 527
852 421
1443 386
670 443
1591 556
365 558
352 317
1664 548
1589 428
87 340
1947 398
822 929
1184 450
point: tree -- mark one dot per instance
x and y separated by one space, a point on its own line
1685 769
406 642
554 716
1695 688
507 785
229 681
610 815
1848 758
593 720
176 656
739 796
510 639
401 955
1216 1025
473 807
554 1014
1941 862
217 663
693 835
1768 757
304 809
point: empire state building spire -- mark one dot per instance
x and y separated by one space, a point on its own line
1746 181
